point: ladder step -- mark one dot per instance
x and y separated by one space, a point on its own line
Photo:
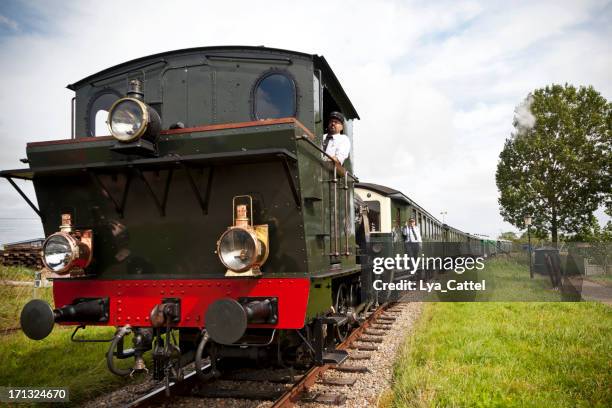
335 357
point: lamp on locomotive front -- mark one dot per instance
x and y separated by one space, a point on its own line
67 249
243 248
130 119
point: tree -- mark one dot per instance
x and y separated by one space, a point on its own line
556 164
508 235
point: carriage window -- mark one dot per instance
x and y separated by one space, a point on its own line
274 97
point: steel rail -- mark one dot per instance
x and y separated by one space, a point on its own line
310 378
159 393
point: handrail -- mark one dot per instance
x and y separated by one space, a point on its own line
310 142
334 251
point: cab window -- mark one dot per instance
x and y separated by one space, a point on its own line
98 111
274 96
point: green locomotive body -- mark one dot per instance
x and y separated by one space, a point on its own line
211 202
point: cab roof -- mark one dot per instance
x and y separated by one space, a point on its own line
318 61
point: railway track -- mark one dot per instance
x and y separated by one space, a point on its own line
285 387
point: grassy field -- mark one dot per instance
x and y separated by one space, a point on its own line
16 273
508 354
58 362
13 298
507 281
54 361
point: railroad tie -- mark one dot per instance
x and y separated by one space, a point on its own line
257 377
375 333
363 347
359 357
381 326
350 369
370 340
210 392
337 381
324 398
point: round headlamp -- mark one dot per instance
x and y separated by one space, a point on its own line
130 119
60 251
239 249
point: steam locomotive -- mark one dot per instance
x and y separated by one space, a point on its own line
210 212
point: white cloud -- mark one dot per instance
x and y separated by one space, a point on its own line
7 22
435 84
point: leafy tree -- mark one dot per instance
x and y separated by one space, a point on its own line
508 235
592 231
556 164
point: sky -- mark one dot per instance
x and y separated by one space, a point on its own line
436 84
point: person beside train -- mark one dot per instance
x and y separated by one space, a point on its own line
335 143
412 238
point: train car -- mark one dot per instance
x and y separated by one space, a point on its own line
504 246
390 209
209 211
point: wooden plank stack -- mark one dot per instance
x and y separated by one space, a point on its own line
27 253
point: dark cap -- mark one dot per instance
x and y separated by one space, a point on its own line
336 115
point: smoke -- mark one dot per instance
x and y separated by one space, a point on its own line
523 118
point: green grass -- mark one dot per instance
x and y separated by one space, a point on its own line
58 362
508 354
13 298
507 281
55 361
16 273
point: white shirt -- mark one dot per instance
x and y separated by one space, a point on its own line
339 146
409 235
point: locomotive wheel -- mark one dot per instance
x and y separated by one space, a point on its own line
342 307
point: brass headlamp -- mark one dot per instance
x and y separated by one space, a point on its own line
67 249
243 248
130 119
